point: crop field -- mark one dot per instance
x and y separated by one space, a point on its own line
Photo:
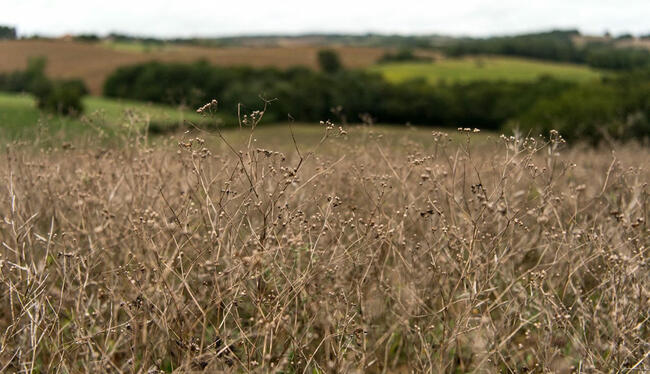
484 68
94 62
324 249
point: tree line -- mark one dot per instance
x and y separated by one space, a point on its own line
8 32
556 45
614 107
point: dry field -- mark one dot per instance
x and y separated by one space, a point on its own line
357 253
581 40
94 62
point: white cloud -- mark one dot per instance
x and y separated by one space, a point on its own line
214 18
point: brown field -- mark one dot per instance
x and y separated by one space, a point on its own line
94 62
581 40
364 251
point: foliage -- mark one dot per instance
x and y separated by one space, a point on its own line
56 96
555 46
403 55
614 108
89 38
21 118
119 37
7 32
329 61
366 40
310 96
618 58
61 97
29 80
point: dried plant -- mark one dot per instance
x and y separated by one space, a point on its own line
511 254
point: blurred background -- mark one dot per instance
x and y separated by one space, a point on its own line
581 67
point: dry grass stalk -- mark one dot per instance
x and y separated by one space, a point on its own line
512 255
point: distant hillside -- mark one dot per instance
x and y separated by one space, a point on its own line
279 40
477 68
92 58
93 62
572 37
622 53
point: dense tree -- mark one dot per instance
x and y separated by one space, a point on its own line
88 38
7 32
615 108
556 46
403 55
57 96
308 95
329 61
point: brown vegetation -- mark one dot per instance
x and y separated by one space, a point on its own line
94 62
360 253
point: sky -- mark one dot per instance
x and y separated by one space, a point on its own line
176 18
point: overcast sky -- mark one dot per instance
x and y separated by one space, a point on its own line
177 18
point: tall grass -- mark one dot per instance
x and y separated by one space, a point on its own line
347 255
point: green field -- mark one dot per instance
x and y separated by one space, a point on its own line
484 68
19 116
135 46
20 120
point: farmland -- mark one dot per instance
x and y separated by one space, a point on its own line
93 62
475 68
234 236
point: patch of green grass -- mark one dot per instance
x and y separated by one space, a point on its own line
135 47
278 136
116 110
20 118
484 68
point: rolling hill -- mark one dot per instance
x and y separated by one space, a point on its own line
93 62
484 68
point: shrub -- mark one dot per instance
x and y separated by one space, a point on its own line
55 96
403 55
618 58
61 97
88 38
615 108
329 61
555 46
309 96
7 32
27 80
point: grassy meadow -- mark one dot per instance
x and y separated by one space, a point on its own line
133 242
474 68
104 117
21 119
324 249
